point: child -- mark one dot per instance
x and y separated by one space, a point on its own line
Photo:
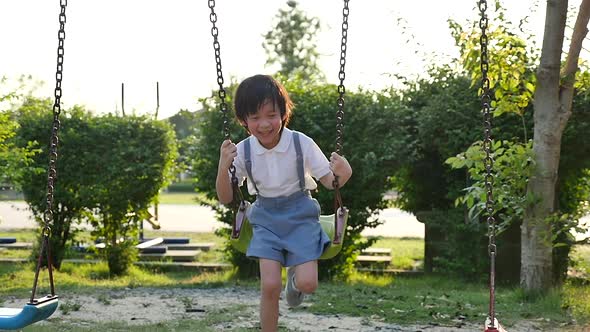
279 164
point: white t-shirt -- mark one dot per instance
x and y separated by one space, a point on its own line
275 170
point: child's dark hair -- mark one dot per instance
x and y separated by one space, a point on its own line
254 91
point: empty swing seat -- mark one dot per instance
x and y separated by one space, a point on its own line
14 318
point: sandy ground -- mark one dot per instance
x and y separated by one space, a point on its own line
142 306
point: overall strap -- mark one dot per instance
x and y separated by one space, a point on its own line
300 170
249 163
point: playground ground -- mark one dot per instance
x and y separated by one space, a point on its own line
226 309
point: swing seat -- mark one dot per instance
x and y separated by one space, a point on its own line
242 230
41 309
336 235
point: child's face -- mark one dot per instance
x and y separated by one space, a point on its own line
266 124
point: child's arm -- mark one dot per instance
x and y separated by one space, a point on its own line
341 168
223 185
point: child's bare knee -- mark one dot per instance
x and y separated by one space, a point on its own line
271 289
306 285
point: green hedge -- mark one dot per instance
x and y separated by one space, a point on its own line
109 170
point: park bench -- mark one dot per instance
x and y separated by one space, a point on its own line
372 256
17 245
7 240
173 255
173 249
150 243
205 246
377 251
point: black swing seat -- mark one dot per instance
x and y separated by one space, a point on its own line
39 309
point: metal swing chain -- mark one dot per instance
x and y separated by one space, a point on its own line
220 81
341 88
221 93
487 146
53 142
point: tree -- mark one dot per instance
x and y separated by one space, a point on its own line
35 118
185 125
553 107
291 43
13 159
443 119
514 78
131 159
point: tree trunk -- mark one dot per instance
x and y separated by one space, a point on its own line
552 103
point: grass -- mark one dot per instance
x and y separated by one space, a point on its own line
439 300
577 298
178 198
14 253
407 253
581 257
16 279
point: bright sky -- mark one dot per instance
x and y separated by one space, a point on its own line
139 42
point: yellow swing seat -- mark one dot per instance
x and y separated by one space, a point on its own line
333 224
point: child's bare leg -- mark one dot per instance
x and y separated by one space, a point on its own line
270 288
306 277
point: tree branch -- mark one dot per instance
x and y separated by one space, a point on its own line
578 35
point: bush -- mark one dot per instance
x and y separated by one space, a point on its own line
120 257
184 186
109 171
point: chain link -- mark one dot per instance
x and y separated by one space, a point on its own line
221 93
486 100
54 140
341 88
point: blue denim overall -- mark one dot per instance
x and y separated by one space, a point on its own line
286 229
